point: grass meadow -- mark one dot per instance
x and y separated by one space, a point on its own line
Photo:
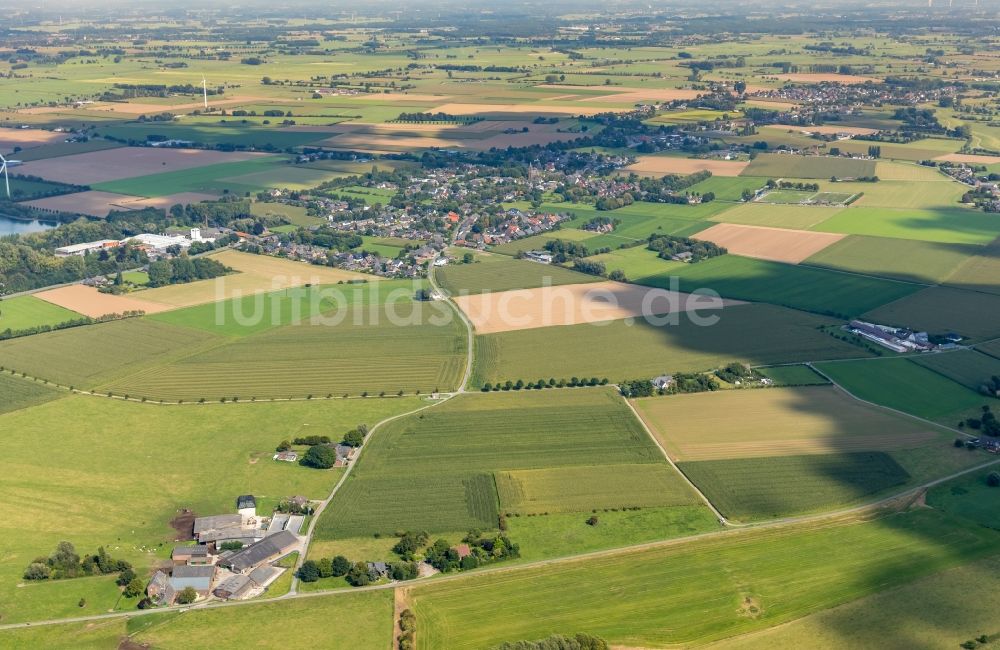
370 628
941 610
902 259
718 587
568 533
944 225
502 273
24 312
117 472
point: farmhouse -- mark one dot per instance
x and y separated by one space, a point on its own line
160 590
266 550
663 381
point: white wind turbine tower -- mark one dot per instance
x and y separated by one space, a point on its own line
6 179
204 91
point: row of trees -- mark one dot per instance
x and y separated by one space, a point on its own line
572 382
357 574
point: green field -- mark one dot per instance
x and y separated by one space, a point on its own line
943 225
728 188
981 272
85 357
718 587
755 334
910 260
217 178
940 310
903 385
564 534
259 312
751 489
799 287
296 215
969 497
24 312
794 166
232 132
967 367
776 215
502 273
23 189
137 465
370 629
941 610
399 347
436 470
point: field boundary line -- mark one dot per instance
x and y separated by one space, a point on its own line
470 335
293 588
718 515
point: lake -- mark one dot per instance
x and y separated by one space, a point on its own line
10 226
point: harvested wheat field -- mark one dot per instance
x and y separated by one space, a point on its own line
826 129
91 203
812 77
91 302
126 162
776 422
762 242
971 159
575 304
27 138
672 165
253 274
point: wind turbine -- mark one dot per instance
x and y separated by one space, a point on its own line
6 179
204 90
